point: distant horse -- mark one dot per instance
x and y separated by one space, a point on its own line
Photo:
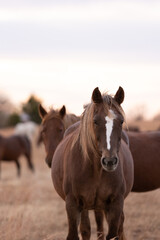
54 124
92 168
12 147
145 149
26 128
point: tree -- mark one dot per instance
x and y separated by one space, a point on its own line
6 109
31 108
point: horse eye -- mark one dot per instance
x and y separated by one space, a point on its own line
122 121
95 122
60 129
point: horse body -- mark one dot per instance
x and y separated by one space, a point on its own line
93 169
90 191
145 148
12 147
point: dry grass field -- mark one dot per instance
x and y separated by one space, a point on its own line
30 209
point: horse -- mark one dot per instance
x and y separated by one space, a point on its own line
92 167
26 128
54 124
12 147
145 149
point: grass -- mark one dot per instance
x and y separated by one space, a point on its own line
30 209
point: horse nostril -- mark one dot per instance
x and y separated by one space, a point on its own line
112 161
109 161
104 161
115 160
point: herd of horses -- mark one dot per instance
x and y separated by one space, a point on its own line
94 163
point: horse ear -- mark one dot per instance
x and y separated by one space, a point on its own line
96 96
42 111
119 96
62 111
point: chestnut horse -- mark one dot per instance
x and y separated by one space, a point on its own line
54 124
12 147
92 168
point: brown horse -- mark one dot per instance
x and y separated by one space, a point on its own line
12 147
145 149
54 124
92 168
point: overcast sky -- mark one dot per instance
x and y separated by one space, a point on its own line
62 50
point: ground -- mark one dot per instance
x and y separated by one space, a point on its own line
30 208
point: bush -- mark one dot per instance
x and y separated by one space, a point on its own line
13 119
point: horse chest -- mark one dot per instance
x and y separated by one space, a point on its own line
95 195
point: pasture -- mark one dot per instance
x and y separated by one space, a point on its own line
30 209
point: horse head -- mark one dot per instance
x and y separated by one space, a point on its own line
101 128
108 119
52 130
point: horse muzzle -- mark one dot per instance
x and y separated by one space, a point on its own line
109 164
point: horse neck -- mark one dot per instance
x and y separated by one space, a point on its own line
69 119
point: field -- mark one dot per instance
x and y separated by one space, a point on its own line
30 209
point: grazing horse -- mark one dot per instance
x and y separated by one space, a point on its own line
145 149
12 147
92 167
54 124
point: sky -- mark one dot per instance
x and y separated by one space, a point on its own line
61 50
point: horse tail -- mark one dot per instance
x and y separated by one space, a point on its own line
28 143
28 151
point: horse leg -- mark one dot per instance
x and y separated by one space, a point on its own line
18 168
29 161
114 216
121 232
85 227
73 215
99 222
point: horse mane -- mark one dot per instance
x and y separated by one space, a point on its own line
69 119
85 133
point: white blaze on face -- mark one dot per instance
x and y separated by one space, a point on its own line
109 127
